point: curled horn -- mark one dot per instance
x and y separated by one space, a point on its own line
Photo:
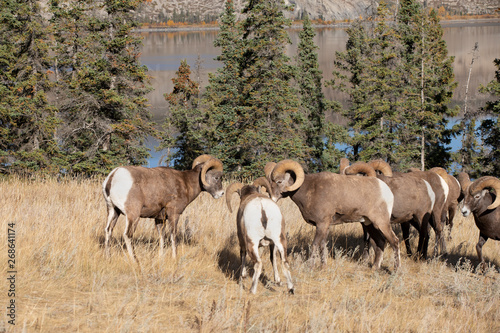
464 180
229 192
440 171
214 163
201 159
361 167
262 181
382 166
487 182
268 169
344 163
289 165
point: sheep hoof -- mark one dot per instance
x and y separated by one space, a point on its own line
291 292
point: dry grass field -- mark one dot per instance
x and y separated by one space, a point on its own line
64 282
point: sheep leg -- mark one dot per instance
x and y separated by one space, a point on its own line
365 256
479 250
131 222
284 264
173 219
451 216
254 254
377 241
319 242
160 227
243 256
423 238
113 215
405 228
272 254
393 240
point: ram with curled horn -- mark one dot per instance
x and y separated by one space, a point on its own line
452 199
413 199
326 198
160 193
484 206
259 222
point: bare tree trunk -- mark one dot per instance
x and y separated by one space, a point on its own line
422 101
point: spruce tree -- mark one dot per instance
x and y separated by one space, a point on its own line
101 85
269 120
429 83
490 127
312 100
251 103
28 120
222 99
184 127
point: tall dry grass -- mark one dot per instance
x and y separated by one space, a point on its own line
66 284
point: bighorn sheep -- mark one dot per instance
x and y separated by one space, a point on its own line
326 198
160 193
451 206
483 204
259 223
440 189
413 197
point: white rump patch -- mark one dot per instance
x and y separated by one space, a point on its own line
431 193
121 184
386 195
445 188
253 218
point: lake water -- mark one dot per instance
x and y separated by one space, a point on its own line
163 51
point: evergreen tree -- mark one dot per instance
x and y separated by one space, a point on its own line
490 127
101 85
252 105
430 82
269 120
400 80
313 103
27 119
223 98
184 125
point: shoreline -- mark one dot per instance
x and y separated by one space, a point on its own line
444 24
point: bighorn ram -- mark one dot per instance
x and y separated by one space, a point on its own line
413 197
483 204
259 223
326 198
451 206
160 193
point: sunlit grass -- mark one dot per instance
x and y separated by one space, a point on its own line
66 284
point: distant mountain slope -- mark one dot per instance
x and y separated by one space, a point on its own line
209 10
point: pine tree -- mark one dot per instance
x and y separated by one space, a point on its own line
251 103
429 82
313 103
28 121
222 98
184 126
101 85
269 119
490 127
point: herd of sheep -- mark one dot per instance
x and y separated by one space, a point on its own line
369 193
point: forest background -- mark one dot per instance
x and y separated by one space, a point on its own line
72 94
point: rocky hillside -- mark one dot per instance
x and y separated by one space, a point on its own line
209 10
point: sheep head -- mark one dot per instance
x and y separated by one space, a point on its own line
361 168
478 188
230 190
288 175
344 163
211 174
382 166
264 182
